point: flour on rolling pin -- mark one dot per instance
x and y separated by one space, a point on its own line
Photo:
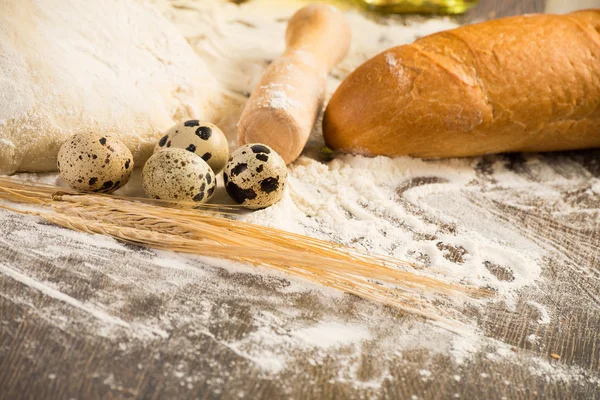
284 106
276 97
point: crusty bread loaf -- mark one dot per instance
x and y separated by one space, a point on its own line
527 83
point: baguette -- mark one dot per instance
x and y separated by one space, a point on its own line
526 83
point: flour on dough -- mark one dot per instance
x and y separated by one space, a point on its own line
112 66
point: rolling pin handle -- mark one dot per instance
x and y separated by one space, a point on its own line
283 108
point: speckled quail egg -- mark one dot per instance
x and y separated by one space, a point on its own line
199 137
177 174
255 176
92 162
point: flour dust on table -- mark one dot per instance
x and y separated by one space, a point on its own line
478 221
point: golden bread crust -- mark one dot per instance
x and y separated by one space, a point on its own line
526 83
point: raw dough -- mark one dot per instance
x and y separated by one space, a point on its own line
114 67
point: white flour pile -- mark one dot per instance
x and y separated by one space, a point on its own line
130 75
438 214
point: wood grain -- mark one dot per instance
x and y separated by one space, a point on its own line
52 351
503 8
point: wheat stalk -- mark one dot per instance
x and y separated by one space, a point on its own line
208 232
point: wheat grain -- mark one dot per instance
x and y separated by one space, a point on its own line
210 231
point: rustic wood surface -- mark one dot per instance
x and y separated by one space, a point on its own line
49 351
502 8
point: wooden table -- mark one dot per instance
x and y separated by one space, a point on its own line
53 344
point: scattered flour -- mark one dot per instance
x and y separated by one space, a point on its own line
391 59
596 187
332 334
278 98
544 318
438 214
533 338
7 143
51 292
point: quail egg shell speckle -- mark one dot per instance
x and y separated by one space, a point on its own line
177 174
255 176
93 162
200 137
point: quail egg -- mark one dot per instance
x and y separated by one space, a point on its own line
255 176
199 137
177 174
92 162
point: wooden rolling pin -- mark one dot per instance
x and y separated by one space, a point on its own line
527 83
284 106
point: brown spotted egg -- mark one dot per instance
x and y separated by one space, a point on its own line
92 162
255 176
177 174
199 137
